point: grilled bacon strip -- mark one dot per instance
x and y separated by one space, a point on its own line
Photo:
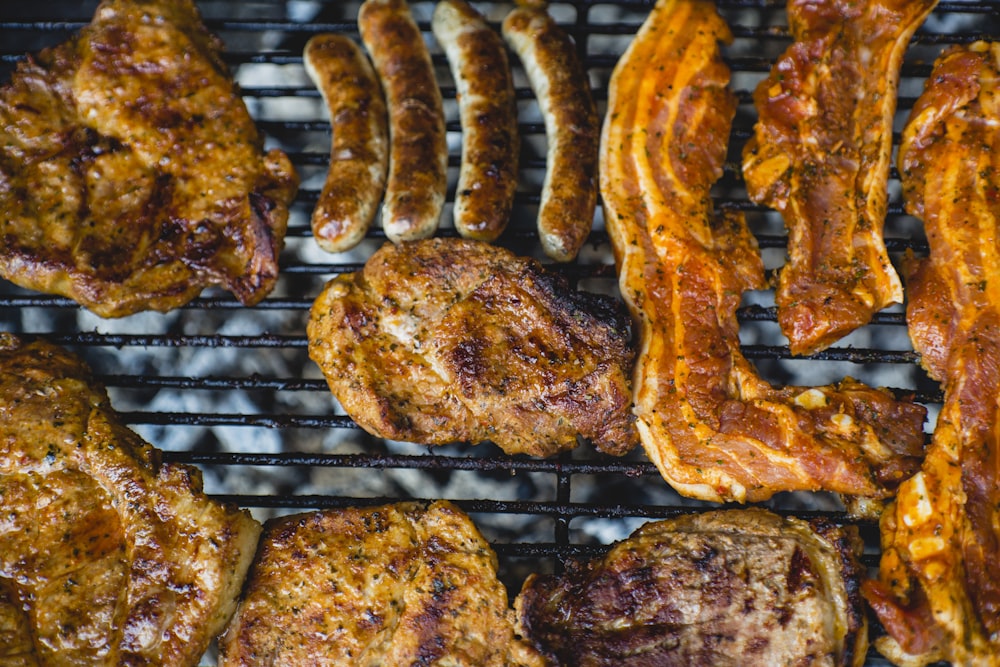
359 153
938 594
418 149
820 155
714 428
487 178
572 128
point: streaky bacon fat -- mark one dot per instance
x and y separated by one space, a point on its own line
714 428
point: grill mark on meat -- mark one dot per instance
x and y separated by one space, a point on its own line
821 158
720 588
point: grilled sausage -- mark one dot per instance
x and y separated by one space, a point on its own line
488 113
359 152
418 152
569 192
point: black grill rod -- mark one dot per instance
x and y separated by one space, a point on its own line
529 507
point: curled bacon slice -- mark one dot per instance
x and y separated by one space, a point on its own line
938 594
714 428
820 154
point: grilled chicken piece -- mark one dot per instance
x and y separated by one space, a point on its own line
715 429
403 584
107 555
820 154
736 587
131 174
938 594
446 340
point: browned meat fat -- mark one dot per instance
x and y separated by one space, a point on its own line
820 154
737 587
713 426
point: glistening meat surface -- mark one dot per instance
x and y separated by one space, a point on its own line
131 173
820 154
738 587
715 429
938 594
402 584
446 340
107 555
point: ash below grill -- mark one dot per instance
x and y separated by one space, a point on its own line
232 390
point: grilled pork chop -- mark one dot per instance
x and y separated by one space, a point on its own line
446 340
820 154
938 594
737 587
403 584
107 556
715 429
131 174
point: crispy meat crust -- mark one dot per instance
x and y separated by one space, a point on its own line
418 148
403 584
938 594
107 555
820 154
484 89
131 174
572 128
738 587
715 429
447 340
359 148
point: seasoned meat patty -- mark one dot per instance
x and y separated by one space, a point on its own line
938 591
447 340
131 174
713 426
107 555
403 584
737 587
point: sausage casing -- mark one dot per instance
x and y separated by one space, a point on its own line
359 149
572 127
488 112
418 151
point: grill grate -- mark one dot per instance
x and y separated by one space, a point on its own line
232 390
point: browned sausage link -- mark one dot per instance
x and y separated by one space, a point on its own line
418 151
569 192
359 150
488 113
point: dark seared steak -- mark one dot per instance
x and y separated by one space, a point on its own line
738 587
447 340
404 584
131 174
107 555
